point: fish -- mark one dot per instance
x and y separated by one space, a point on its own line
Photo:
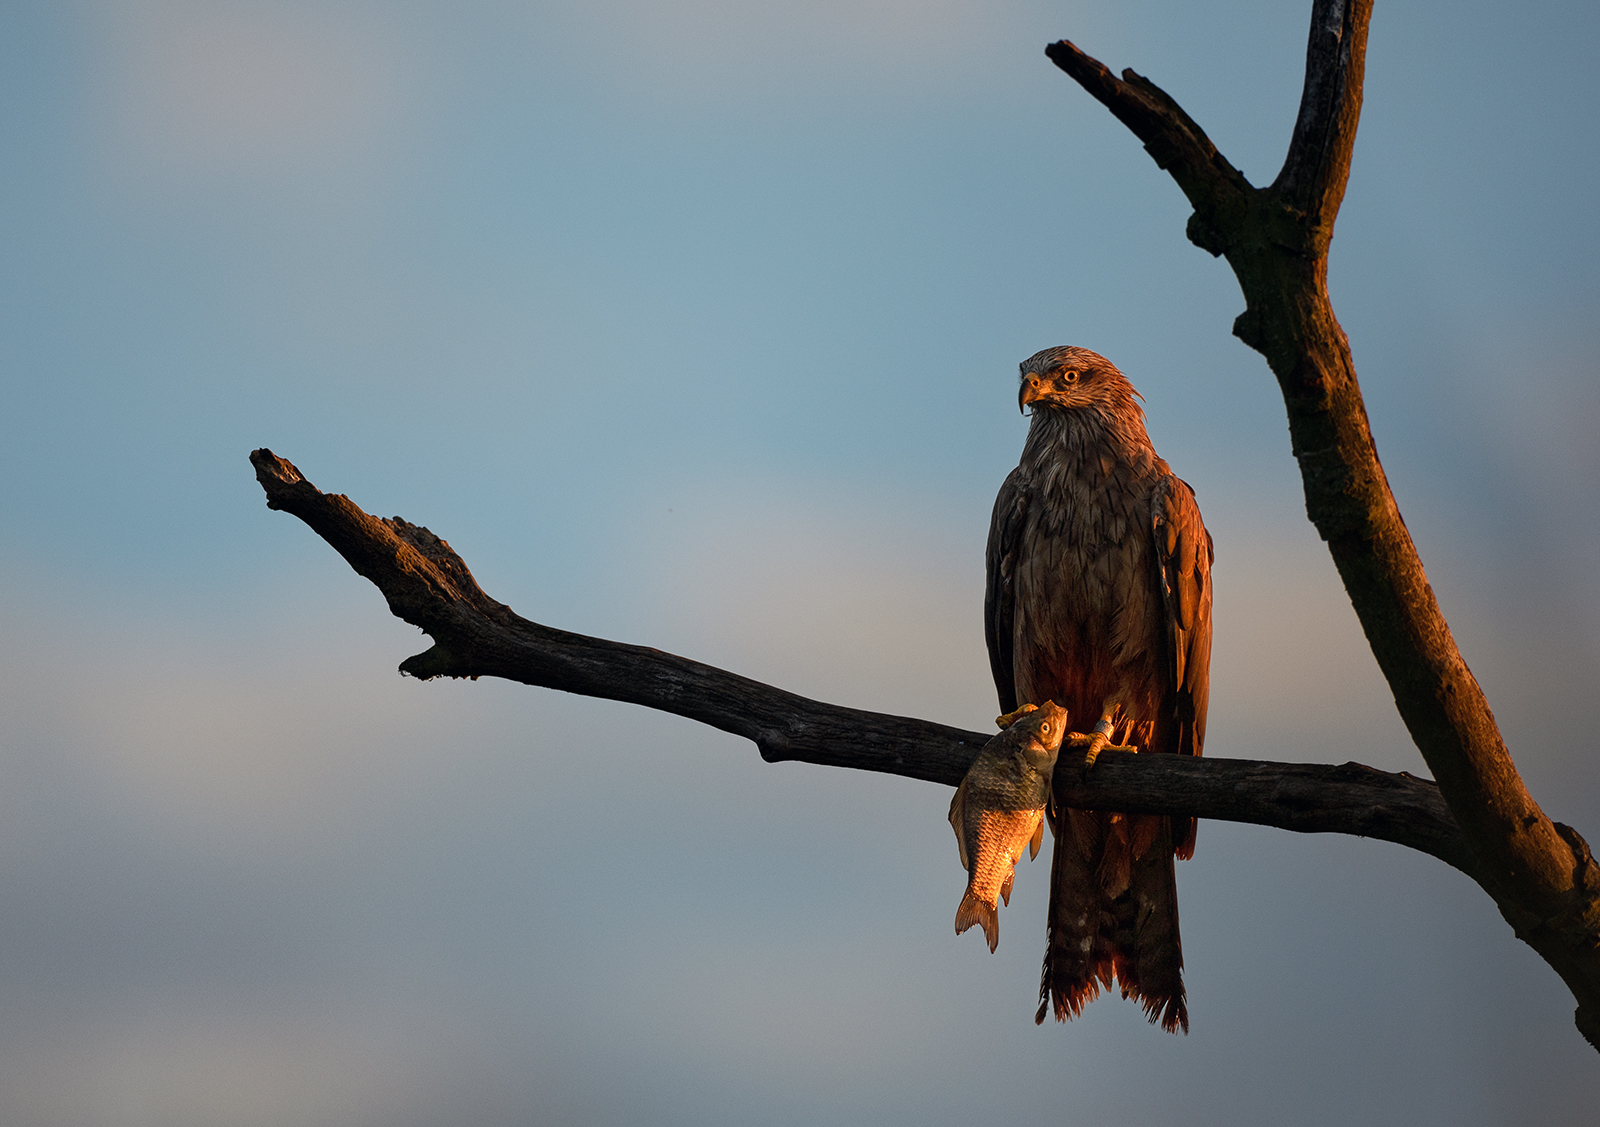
998 810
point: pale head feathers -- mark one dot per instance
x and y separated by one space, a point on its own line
1079 400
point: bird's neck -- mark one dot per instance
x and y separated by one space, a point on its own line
1085 435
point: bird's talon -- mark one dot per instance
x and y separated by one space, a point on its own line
1094 752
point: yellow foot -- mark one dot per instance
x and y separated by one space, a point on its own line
1095 742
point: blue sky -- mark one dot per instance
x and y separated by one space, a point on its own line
695 323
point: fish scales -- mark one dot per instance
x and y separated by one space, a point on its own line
998 811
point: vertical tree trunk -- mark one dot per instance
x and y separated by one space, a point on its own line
1276 239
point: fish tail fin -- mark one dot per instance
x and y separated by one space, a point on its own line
974 911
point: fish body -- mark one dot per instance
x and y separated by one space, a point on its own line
998 811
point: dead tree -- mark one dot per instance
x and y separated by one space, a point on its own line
1479 816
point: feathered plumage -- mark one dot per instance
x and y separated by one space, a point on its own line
1099 598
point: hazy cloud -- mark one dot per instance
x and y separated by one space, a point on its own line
205 89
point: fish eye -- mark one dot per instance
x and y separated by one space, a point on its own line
1044 729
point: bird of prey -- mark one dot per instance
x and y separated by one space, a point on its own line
1098 596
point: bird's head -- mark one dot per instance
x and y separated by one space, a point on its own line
1069 378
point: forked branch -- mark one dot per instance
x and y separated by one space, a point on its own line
1276 240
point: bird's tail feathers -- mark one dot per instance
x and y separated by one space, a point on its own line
1066 996
1078 959
1170 1011
1123 931
1149 948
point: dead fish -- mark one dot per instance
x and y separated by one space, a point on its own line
998 810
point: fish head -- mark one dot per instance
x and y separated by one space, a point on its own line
1041 730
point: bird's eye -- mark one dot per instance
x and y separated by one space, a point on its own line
1070 376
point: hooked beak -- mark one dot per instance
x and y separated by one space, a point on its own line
1032 389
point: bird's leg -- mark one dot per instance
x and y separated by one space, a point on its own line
1098 740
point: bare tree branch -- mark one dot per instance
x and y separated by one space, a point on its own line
1540 873
427 584
1276 239
1171 136
1317 166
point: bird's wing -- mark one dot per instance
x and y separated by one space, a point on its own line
1183 555
999 596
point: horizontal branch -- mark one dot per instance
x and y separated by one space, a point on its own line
1304 797
428 585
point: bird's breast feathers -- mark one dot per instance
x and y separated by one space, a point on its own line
1085 595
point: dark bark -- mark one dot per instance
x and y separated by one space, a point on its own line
1539 873
1480 818
428 585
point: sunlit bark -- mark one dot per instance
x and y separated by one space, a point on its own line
1479 818
1276 239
